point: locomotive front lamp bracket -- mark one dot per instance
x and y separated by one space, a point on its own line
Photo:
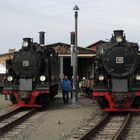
119 39
138 77
42 78
101 78
25 44
9 78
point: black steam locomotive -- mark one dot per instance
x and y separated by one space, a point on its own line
117 75
32 75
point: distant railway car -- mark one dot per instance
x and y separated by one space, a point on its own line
117 75
32 75
86 87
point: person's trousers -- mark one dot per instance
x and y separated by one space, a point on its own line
65 97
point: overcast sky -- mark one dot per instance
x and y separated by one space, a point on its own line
97 19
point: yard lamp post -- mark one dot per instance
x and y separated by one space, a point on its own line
75 82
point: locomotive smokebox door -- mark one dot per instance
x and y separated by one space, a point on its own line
119 85
25 84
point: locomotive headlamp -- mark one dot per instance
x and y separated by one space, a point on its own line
25 44
42 78
9 78
101 78
119 39
138 77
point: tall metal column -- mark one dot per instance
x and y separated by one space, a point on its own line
74 86
72 39
61 68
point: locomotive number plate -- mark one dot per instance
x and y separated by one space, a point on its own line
25 63
119 60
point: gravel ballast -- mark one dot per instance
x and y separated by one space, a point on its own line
60 120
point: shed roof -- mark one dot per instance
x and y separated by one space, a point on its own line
96 43
81 50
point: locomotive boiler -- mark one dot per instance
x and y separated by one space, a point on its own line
31 75
117 74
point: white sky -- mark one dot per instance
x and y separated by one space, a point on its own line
97 19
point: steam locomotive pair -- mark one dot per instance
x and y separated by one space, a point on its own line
117 75
31 76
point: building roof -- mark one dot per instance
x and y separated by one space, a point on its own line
86 50
80 50
3 54
58 43
63 48
10 52
96 43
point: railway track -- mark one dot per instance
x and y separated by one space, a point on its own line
133 130
110 127
9 122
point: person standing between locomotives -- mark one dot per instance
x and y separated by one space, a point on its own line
66 88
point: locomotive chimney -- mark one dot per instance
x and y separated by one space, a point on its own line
118 33
41 38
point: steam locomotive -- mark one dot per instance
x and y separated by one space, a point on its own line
117 75
31 75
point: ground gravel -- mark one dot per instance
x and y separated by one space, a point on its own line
59 120
5 105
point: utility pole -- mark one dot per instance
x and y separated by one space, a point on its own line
72 42
74 86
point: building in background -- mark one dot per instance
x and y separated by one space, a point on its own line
5 56
95 45
85 59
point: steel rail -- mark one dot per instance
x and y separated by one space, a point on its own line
123 128
95 128
9 114
119 134
16 122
